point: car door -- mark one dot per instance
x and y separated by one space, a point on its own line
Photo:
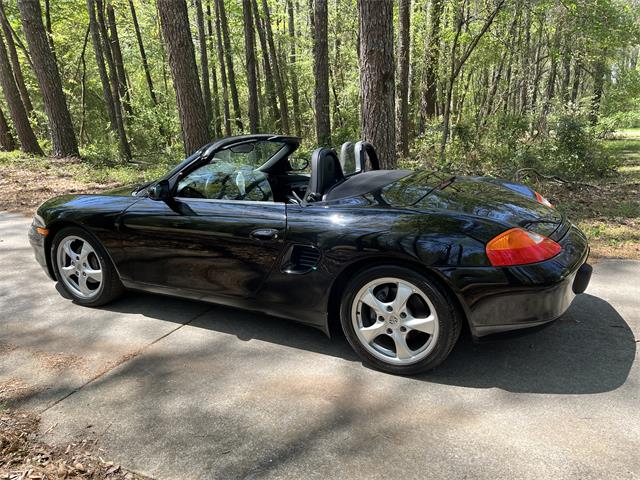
219 235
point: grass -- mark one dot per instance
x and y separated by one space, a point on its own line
608 210
89 169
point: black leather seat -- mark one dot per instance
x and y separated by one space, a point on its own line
325 173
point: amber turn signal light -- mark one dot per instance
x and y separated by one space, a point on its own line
520 247
42 231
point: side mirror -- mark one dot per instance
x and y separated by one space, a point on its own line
160 190
298 164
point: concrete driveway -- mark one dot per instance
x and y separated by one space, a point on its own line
179 389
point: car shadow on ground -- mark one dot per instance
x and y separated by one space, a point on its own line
590 349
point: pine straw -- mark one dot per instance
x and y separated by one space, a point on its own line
23 455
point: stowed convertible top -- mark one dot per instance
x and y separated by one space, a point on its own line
364 182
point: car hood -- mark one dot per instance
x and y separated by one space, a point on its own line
504 202
77 206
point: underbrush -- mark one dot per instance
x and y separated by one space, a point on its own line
564 145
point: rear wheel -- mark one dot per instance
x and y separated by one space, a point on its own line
83 268
398 321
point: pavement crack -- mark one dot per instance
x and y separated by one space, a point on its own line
125 358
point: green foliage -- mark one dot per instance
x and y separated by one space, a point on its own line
496 134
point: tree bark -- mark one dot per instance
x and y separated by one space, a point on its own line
217 124
143 54
223 73
28 141
102 69
321 72
63 137
13 57
277 72
402 85
599 74
204 63
270 88
295 96
112 77
377 90
429 97
47 17
575 87
229 61
116 51
174 21
7 143
250 55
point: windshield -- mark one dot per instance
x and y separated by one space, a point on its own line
250 154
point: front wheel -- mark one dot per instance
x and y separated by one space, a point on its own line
398 321
83 268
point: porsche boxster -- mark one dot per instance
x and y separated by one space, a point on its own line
400 261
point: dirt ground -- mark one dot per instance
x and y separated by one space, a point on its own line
23 190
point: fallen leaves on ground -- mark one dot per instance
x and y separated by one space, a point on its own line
23 455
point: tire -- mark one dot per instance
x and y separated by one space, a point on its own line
87 275
411 327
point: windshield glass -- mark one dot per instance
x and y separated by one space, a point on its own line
253 154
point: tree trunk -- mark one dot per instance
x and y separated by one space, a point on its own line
102 69
116 51
217 125
223 73
28 141
295 96
321 72
143 54
204 63
229 61
7 143
429 97
174 21
575 87
599 74
566 72
101 25
63 137
458 63
15 62
402 86
277 72
377 90
268 74
47 17
250 54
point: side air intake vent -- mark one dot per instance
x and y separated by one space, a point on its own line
302 259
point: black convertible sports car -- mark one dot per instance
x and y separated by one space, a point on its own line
401 260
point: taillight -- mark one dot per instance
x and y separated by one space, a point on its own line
543 200
519 247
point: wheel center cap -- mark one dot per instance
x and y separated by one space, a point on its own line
393 321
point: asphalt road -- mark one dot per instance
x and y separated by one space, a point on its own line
180 389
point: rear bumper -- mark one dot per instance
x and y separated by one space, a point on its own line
503 299
532 309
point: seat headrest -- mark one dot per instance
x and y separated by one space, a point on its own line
325 173
362 151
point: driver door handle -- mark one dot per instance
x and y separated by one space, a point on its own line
264 234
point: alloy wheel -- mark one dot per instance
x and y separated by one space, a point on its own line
395 321
79 267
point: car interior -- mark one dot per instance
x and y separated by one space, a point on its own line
267 170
